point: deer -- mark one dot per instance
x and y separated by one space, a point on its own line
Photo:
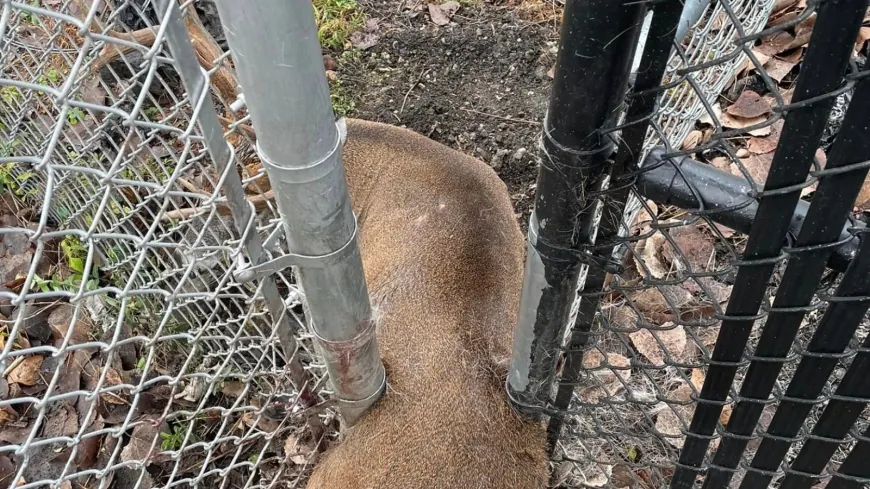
443 258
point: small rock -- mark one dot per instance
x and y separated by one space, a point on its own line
742 153
329 63
518 154
498 159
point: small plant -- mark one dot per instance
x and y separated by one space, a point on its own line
51 77
343 103
75 115
10 94
174 439
10 180
336 19
74 252
152 113
33 19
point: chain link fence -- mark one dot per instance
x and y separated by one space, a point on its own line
131 354
713 347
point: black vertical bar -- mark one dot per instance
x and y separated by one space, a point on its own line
830 208
840 320
597 40
657 50
838 417
856 466
826 60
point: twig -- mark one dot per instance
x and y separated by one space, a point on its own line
259 201
510 119
413 86
188 185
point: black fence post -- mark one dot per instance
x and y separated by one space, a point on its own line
641 104
598 39
821 74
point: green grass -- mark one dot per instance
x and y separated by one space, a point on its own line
343 102
336 19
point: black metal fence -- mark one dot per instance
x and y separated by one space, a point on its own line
720 336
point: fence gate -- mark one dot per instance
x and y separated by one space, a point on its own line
719 335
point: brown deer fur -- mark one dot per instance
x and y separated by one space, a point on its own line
443 257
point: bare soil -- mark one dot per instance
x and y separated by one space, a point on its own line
478 84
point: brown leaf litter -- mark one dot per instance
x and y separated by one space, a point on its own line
441 14
658 345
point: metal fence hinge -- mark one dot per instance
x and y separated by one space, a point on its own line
287 260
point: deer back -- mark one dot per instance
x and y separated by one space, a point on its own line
443 258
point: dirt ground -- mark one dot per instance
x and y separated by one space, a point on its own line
478 84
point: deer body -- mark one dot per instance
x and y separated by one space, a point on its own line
443 258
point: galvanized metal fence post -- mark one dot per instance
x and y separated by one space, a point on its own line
597 41
279 64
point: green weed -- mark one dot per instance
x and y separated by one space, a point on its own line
336 19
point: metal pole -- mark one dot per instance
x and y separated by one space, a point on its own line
703 189
597 42
279 64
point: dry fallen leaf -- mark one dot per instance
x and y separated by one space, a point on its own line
749 105
368 36
441 14
616 364
667 423
112 379
654 301
782 19
756 165
698 378
293 452
782 5
803 32
778 69
647 257
233 389
693 139
694 248
643 219
673 340
863 36
139 448
863 200
734 122
606 374
775 43
26 372
759 145
707 118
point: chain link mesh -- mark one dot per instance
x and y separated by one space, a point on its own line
725 91
131 356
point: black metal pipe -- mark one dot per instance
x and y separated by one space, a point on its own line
597 40
724 197
826 60
834 198
665 17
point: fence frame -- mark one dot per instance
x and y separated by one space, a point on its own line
278 61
